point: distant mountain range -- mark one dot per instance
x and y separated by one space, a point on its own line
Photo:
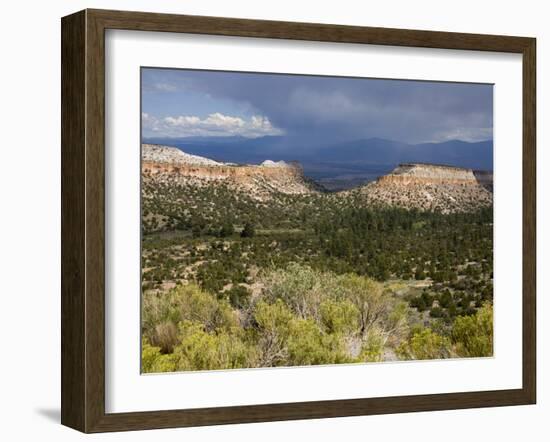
339 165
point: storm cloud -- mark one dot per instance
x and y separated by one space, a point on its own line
317 108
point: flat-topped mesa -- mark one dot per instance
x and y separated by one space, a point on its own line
165 162
421 173
431 187
155 153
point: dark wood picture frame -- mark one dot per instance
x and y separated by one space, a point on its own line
83 216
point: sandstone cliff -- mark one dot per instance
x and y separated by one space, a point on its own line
413 185
163 163
431 187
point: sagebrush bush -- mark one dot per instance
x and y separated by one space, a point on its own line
372 346
300 287
339 316
185 303
301 316
153 361
202 350
424 343
473 335
164 336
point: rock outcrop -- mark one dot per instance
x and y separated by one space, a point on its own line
156 154
430 187
418 173
446 189
169 163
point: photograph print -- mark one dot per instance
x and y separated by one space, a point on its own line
301 220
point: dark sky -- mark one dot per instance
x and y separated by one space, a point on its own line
182 103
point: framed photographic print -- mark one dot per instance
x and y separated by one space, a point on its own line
267 221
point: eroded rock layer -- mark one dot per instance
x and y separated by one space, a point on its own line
431 187
166 164
419 186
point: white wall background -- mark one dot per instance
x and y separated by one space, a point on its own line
30 217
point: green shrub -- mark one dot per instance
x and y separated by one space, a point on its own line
372 347
341 317
248 230
424 343
309 345
164 336
285 339
370 299
300 287
202 350
162 312
153 361
226 230
473 335
273 330
238 296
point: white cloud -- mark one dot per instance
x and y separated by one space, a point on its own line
216 124
182 121
149 122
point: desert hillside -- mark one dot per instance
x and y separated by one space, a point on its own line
430 187
179 188
426 187
169 164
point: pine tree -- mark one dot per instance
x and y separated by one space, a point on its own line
248 231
